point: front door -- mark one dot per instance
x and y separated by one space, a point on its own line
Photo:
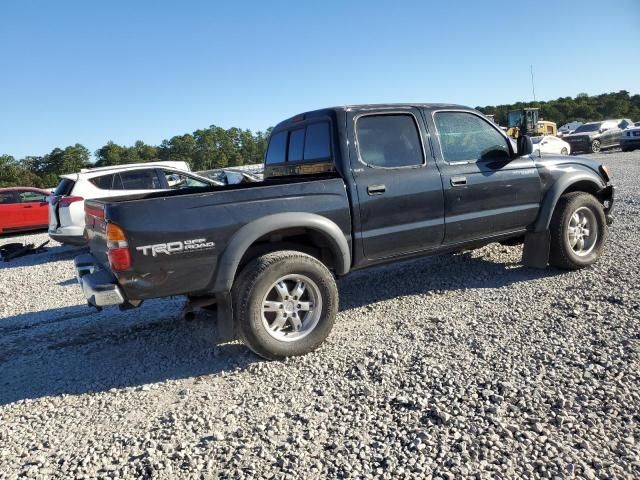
486 191
400 202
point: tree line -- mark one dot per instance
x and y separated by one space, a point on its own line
582 108
204 149
215 147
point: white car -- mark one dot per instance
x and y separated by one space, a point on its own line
550 144
66 204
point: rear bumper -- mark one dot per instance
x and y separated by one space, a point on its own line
70 235
99 286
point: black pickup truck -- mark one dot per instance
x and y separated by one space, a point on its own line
345 188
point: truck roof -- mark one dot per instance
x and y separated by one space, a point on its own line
366 106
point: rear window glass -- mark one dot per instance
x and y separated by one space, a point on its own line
104 182
317 144
389 141
296 145
64 187
277 148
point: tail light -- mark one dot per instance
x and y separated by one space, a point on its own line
66 201
117 248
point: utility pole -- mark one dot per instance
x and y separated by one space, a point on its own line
533 85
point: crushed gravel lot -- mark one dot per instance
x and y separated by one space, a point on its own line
451 366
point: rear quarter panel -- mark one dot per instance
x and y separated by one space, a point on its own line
208 217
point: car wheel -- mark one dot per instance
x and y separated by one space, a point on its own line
596 146
286 303
564 151
578 231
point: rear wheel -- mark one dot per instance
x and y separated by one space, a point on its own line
286 303
578 231
596 146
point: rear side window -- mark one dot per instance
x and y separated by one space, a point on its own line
389 141
104 182
6 198
276 153
467 137
140 180
65 187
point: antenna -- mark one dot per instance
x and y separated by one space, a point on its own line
533 85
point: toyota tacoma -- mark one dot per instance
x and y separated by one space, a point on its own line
344 188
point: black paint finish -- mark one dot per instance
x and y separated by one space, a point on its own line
363 215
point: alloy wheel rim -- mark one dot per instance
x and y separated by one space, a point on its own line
582 232
291 308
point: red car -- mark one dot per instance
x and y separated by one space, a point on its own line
23 208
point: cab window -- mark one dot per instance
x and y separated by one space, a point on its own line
467 137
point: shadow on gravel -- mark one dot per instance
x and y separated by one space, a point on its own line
52 254
76 350
432 275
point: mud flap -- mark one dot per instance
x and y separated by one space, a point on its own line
226 321
536 249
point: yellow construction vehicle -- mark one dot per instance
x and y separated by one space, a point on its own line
525 121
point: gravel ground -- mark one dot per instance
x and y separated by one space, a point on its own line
453 366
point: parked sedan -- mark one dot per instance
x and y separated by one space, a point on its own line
550 144
23 208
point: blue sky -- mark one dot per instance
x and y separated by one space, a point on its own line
90 72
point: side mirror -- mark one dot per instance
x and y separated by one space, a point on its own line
525 146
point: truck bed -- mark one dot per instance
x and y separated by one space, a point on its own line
211 216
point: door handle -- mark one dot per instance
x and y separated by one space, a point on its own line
458 181
27 206
376 189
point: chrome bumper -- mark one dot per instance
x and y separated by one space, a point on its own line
99 286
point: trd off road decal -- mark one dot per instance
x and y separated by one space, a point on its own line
173 248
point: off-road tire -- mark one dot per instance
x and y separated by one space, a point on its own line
255 280
561 254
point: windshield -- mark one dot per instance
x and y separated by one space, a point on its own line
593 127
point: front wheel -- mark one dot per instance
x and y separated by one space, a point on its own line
286 303
578 231
596 146
564 151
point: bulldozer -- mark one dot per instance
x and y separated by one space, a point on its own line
526 121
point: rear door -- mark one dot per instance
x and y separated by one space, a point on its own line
10 211
400 201
486 191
